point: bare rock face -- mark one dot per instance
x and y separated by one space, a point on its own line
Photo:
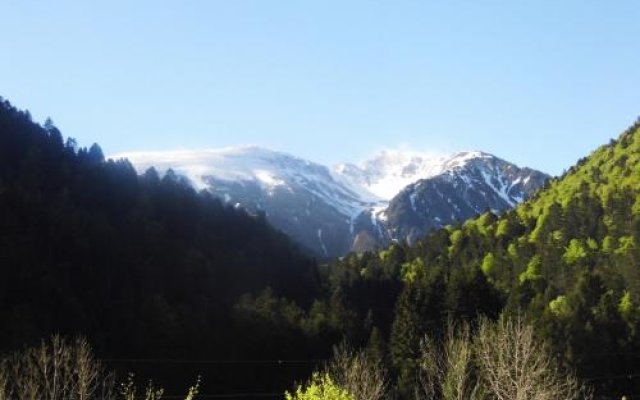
483 182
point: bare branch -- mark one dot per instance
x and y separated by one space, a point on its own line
362 377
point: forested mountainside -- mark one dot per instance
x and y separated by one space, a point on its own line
143 266
568 259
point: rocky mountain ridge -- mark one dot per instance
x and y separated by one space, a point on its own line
331 211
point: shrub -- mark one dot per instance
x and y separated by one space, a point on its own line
61 370
320 387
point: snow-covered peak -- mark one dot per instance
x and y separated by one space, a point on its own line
242 163
461 159
269 169
351 206
376 180
390 171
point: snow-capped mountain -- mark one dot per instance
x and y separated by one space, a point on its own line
468 184
393 196
390 171
303 199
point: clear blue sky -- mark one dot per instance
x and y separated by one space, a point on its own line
538 82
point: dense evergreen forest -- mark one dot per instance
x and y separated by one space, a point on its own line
146 268
142 266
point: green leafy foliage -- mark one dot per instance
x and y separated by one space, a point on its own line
568 258
319 387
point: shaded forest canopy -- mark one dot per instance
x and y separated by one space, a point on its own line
143 266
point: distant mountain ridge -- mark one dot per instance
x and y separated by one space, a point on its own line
468 186
331 211
390 171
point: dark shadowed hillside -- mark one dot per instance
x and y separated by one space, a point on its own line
143 266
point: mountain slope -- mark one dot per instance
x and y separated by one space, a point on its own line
140 265
301 198
332 212
471 183
388 172
567 259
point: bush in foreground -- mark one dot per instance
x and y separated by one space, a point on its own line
61 370
501 360
504 360
350 375
320 387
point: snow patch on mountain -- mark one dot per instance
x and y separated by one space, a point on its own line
269 169
268 178
390 171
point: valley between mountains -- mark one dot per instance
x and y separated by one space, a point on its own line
146 268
